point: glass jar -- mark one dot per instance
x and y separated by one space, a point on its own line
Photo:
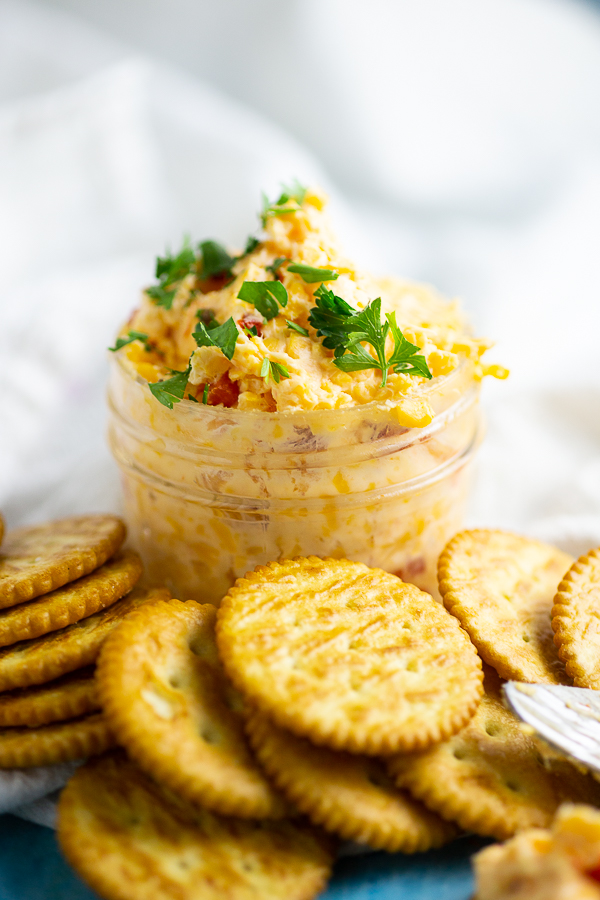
211 492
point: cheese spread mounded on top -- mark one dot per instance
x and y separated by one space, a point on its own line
278 326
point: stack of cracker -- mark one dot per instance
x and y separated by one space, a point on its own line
322 699
63 586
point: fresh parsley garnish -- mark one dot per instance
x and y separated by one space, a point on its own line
172 389
265 296
251 244
280 207
215 260
345 329
207 317
270 369
311 274
222 336
169 271
132 336
277 264
205 394
192 398
294 327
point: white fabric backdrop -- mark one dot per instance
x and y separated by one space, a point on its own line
460 140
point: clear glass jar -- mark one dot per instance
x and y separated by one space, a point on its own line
211 492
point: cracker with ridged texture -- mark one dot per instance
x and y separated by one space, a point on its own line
347 794
166 697
500 586
492 778
576 621
75 601
347 656
38 559
67 697
128 842
46 658
22 748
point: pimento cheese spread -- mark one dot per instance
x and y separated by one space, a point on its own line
301 235
561 863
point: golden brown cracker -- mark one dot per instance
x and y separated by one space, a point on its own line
492 778
46 658
166 697
22 748
65 698
347 794
500 586
348 656
576 621
129 843
38 559
81 598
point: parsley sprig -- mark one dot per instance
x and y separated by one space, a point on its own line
214 335
346 329
265 296
281 207
132 336
172 389
270 369
169 271
312 274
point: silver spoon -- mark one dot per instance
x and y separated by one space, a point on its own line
568 718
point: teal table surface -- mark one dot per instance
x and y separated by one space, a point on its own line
31 868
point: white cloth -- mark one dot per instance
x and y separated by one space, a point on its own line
461 144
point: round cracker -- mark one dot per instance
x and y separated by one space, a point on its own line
576 621
69 604
500 586
66 698
348 656
128 842
59 742
46 658
165 695
346 794
492 778
37 559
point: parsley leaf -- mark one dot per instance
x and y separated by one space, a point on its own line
205 394
161 296
329 319
265 296
170 270
132 336
270 369
172 389
405 357
294 327
311 274
345 329
294 192
277 264
251 244
222 336
215 260
207 317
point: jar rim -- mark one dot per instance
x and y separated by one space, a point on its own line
329 415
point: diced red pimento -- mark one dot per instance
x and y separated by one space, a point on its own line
594 873
251 321
223 392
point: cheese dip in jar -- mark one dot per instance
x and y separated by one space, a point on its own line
281 403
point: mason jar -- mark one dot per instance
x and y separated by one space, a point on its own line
211 492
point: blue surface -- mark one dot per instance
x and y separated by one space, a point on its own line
31 868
